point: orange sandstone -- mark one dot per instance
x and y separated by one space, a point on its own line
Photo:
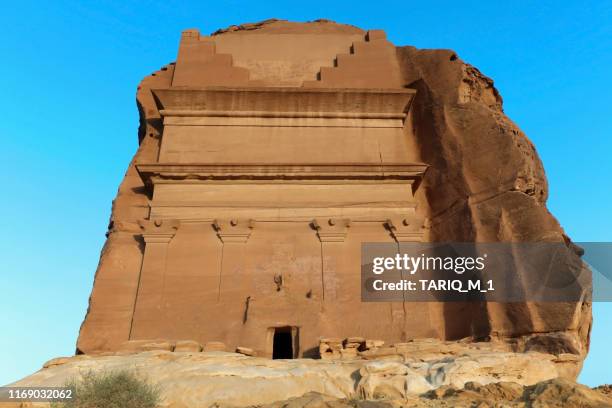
269 152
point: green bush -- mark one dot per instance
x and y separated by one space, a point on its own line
115 389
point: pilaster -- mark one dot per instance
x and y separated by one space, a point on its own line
234 279
149 301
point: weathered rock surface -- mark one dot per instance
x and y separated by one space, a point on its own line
476 375
552 393
486 183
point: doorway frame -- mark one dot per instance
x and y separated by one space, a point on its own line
295 339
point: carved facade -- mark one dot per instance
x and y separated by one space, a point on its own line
267 193
273 167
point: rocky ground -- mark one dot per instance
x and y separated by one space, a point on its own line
551 393
416 375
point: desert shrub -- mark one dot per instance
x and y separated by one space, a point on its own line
114 389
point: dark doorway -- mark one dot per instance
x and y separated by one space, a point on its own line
282 346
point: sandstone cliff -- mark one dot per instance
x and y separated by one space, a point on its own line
485 183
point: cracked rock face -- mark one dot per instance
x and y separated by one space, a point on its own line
484 183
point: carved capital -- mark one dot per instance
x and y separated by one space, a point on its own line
406 229
158 230
235 230
331 229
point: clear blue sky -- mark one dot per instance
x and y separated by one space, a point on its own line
68 128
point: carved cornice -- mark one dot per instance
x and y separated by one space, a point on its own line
158 230
290 115
331 229
236 230
284 101
406 229
155 172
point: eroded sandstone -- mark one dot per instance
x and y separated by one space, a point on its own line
201 379
223 231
